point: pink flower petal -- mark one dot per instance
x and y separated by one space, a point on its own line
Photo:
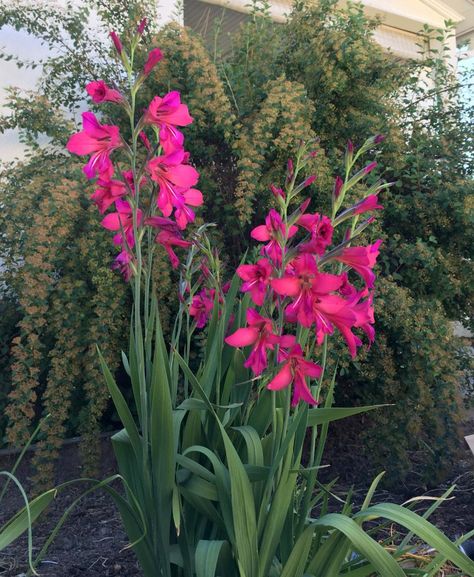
281 380
286 286
193 197
260 233
242 337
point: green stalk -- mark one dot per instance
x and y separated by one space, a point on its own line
312 475
148 489
274 424
137 286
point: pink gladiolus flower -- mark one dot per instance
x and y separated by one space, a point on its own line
108 191
154 57
347 289
117 42
96 139
202 306
368 204
364 312
312 302
167 113
100 92
123 263
295 369
273 231
321 231
168 110
333 311
172 175
168 236
259 333
362 259
122 220
256 279
304 283
183 214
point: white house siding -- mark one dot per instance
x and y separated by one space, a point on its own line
401 42
402 20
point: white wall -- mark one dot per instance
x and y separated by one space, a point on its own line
25 46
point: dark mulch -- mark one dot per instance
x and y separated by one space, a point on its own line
353 470
92 541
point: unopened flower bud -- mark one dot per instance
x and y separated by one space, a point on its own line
145 141
290 168
350 146
141 26
370 167
117 42
379 138
367 204
154 57
309 181
338 183
206 273
277 192
305 205
363 225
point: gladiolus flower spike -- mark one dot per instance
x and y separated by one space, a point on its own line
302 277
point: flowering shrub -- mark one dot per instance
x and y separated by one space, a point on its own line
213 464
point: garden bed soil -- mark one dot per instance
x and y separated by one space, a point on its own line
93 543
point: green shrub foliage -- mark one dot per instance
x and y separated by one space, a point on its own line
411 367
322 75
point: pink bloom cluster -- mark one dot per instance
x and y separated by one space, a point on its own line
166 177
290 283
289 277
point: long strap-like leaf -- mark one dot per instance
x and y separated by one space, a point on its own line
382 561
423 529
